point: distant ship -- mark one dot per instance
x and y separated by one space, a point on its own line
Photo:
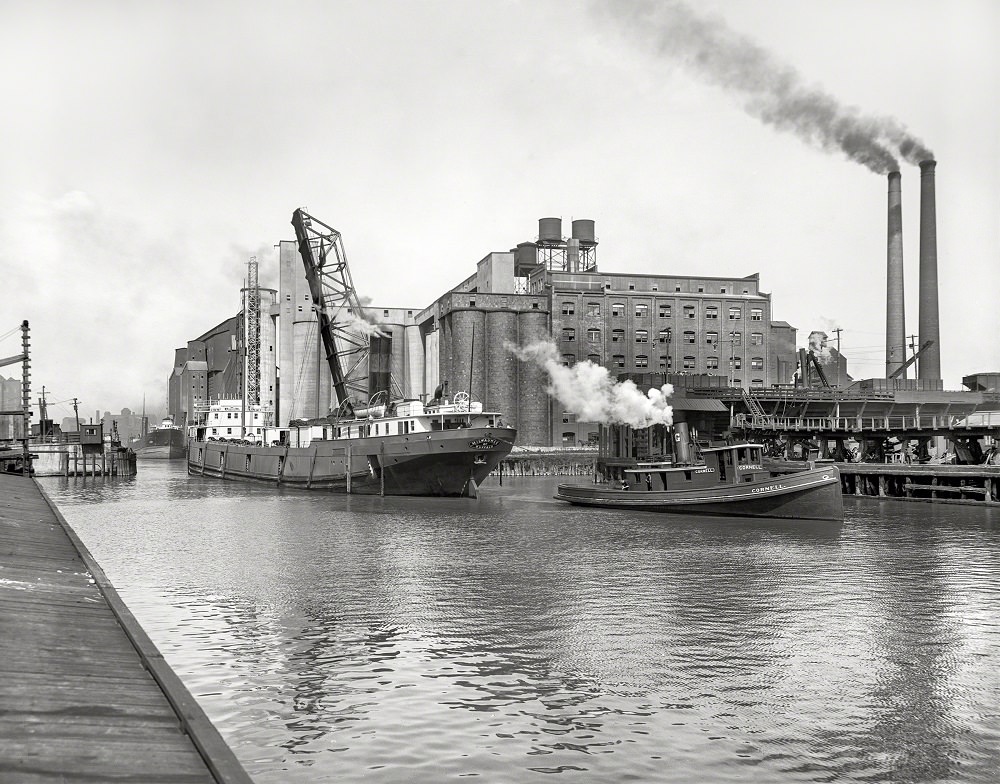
166 442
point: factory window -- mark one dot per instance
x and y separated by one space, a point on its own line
746 291
618 360
595 358
617 335
568 309
607 284
664 311
737 362
666 362
756 314
617 308
757 363
664 336
677 288
288 298
568 333
641 361
593 334
722 290
690 363
472 304
735 314
737 338
655 287
756 338
689 311
689 337
757 383
503 304
737 381
701 289
712 363
300 308
641 310
569 438
641 336
593 308
631 287
410 312
385 313
568 359
534 306
712 312
711 338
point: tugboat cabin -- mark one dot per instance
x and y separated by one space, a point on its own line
725 465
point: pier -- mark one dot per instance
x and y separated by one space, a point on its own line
86 695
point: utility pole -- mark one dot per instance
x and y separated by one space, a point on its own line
838 330
43 409
76 413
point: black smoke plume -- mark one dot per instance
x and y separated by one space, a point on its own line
769 90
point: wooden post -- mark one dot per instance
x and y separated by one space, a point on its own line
347 466
381 453
312 467
284 461
225 461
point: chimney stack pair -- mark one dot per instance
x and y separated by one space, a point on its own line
929 363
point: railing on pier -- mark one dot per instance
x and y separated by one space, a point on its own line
859 424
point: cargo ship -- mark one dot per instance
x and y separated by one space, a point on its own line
165 442
446 448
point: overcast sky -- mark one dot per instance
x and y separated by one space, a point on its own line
149 148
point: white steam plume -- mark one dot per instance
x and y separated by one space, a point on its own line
817 344
349 320
588 390
769 90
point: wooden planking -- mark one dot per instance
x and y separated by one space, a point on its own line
84 694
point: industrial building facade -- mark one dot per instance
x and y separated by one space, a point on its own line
546 289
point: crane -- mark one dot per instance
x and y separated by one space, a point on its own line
337 306
899 371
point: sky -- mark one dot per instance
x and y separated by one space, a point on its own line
149 149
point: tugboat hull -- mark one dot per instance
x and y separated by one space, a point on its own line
806 495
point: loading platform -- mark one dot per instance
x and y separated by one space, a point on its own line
84 694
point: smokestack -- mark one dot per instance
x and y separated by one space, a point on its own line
895 321
929 325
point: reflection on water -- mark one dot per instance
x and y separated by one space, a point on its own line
337 638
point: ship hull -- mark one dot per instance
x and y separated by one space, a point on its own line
805 495
166 444
443 463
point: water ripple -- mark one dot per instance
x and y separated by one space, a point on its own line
514 639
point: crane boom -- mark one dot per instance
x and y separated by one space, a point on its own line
899 371
332 291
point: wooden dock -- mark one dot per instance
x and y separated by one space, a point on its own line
84 694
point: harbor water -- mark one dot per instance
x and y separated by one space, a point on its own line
514 638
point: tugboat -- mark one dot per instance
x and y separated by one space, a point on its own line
721 480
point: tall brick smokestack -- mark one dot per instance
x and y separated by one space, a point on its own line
929 363
895 321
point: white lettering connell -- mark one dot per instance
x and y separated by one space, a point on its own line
767 488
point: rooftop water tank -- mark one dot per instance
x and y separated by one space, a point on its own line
583 230
550 229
